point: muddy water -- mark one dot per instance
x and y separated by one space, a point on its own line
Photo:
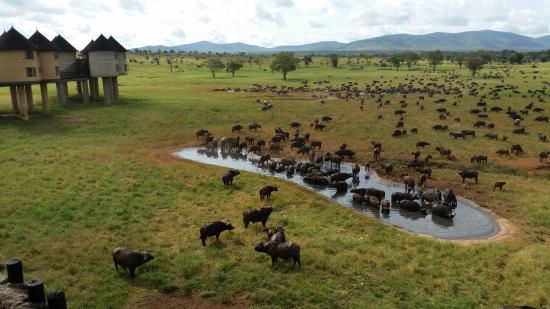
470 221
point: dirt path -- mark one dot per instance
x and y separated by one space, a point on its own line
179 301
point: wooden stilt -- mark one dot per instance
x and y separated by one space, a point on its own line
96 86
79 88
44 94
13 93
85 92
115 88
22 102
61 98
107 90
92 89
30 101
66 89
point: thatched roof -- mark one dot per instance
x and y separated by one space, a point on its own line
101 44
118 47
13 40
42 43
63 45
87 48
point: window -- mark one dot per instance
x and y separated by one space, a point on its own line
29 54
56 70
56 55
31 72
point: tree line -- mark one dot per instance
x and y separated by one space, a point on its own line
286 62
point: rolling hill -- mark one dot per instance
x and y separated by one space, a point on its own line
462 41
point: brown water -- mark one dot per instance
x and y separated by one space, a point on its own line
470 221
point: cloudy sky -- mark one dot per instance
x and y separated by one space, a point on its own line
136 23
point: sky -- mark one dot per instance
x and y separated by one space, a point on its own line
268 23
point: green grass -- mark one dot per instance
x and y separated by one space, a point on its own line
84 180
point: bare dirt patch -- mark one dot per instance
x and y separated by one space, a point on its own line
165 155
70 119
180 301
529 164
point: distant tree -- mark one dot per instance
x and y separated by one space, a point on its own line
333 60
395 60
460 60
474 64
485 57
233 66
307 60
410 58
214 64
515 58
169 61
284 62
434 58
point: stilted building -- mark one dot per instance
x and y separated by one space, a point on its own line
107 59
71 68
18 69
48 67
67 57
26 62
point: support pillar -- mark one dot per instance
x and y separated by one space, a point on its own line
79 88
22 102
96 86
107 90
92 89
115 88
66 89
13 93
85 92
61 94
44 94
30 101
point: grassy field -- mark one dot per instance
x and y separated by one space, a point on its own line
88 178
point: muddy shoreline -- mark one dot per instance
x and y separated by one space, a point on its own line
503 228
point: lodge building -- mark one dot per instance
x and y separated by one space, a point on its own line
39 61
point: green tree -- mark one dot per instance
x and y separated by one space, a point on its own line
460 60
233 66
333 60
474 64
515 58
395 60
284 62
434 58
307 60
410 58
169 61
214 64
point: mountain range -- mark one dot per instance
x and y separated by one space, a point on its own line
462 41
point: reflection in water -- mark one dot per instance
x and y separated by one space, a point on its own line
469 222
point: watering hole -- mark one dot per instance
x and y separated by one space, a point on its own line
470 221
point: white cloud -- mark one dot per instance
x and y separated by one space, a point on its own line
284 3
267 22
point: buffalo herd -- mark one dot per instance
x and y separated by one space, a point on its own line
322 167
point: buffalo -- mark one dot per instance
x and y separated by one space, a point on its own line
257 215
130 260
265 192
214 229
227 178
285 251
469 173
